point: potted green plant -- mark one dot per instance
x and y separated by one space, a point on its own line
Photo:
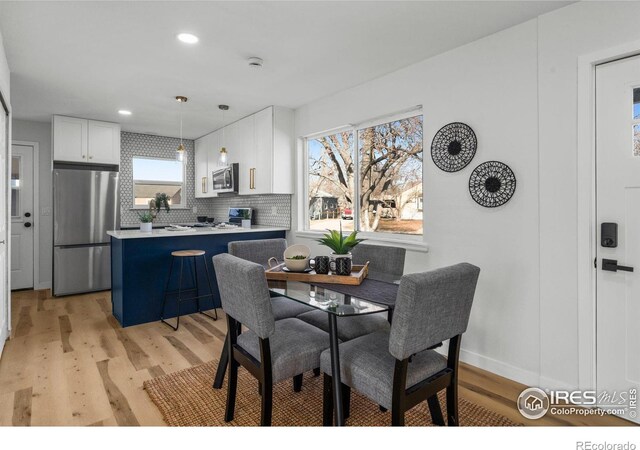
146 221
161 200
340 245
246 218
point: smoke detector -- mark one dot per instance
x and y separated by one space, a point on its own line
255 62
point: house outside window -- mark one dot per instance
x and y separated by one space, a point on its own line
158 175
367 177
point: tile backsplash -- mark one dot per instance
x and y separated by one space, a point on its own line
270 210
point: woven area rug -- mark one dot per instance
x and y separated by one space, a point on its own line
186 398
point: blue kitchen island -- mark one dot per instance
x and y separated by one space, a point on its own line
140 264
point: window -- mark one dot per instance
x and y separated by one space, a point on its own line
635 122
152 176
377 188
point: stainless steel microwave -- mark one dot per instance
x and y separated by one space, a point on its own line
225 179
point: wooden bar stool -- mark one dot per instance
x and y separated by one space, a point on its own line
182 255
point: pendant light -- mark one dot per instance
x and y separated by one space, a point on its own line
180 150
223 158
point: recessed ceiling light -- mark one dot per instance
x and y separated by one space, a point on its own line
124 112
188 38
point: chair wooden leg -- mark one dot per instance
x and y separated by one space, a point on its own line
232 385
327 401
346 400
297 383
316 372
397 417
435 410
267 405
452 404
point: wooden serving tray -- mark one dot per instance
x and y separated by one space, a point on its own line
358 273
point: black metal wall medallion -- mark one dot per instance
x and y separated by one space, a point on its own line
492 184
453 147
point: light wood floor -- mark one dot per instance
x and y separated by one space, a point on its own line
69 362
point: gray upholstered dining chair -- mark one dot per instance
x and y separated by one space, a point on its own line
270 350
385 264
398 368
260 251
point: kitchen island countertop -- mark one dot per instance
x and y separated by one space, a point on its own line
162 233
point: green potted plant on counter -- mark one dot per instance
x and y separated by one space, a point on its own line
146 221
341 246
246 218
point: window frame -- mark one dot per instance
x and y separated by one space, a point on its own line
182 205
394 238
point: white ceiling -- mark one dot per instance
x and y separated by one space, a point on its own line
89 59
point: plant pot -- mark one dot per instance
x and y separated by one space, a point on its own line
146 227
246 223
344 269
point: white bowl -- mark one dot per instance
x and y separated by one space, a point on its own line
297 265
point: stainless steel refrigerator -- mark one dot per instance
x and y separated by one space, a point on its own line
86 205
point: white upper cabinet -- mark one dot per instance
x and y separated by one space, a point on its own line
207 149
70 139
85 141
262 145
262 155
104 142
244 149
201 167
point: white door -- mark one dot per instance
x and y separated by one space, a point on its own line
618 207
4 151
21 216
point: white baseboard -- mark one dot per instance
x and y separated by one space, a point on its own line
43 285
549 383
523 376
4 334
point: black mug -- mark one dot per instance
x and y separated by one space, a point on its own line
343 266
321 265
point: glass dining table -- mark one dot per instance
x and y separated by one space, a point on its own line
337 301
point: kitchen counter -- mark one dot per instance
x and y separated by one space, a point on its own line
140 268
162 233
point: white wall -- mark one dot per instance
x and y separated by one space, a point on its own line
518 89
4 90
491 85
40 132
4 73
565 35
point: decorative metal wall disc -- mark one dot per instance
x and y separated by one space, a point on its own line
453 147
492 184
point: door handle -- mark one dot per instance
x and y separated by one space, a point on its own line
611 265
252 178
27 224
27 214
204 185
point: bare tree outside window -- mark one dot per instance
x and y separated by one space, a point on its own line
389 178
331 181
